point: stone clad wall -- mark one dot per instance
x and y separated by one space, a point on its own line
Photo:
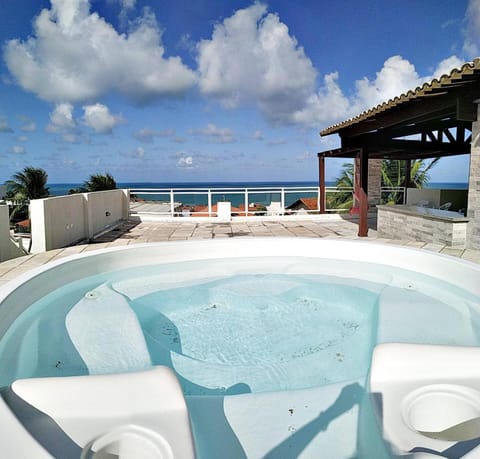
473 213
395 225
374 181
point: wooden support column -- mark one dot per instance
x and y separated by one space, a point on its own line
363 193
321 183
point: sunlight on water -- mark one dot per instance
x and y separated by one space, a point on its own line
234 326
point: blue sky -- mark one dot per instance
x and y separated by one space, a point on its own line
210 90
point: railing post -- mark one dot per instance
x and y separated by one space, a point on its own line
246 202
282 199
209 198
172 204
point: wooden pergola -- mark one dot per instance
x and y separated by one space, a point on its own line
432 121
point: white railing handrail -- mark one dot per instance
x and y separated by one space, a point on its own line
226 188
248 192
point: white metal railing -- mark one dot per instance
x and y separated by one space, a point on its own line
245 201
397 195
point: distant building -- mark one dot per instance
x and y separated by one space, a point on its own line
202 211
304 204
22 226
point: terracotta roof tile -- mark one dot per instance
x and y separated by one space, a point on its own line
454 78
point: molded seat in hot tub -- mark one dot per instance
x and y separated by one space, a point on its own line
130 415
427 398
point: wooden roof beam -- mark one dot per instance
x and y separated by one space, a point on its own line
402 155
457 101
382 144
425 131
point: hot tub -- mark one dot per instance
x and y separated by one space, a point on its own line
270 339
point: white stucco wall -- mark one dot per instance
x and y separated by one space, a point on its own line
105 208
57 222
61 221
8 249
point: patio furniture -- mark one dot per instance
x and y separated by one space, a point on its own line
275 208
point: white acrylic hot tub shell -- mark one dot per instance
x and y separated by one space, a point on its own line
16 296
23 291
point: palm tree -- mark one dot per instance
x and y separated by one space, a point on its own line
393 176
394 173
28 184
100 182
342 199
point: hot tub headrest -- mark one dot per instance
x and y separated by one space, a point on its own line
105 411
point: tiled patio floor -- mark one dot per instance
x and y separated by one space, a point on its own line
141 232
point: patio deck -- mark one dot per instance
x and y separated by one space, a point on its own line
135 232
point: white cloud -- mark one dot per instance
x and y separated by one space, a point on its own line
28 125
139 152
179 140
471 45
4 127
214 134
22 138
147 135
447 65
61 119
397 75
127 5
252 59
18 150
99 118
307 156
70 137
257 135
327 105
185 162
276 142
59 64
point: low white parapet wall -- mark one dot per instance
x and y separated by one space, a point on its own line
8 248
64 220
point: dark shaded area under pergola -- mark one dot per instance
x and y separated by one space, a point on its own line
434 120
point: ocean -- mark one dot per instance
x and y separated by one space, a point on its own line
60 189
222 193
200 199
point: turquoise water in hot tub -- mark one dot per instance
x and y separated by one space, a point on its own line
235 326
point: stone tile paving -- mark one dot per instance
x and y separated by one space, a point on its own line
134 232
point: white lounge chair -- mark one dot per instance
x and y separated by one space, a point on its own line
275 208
